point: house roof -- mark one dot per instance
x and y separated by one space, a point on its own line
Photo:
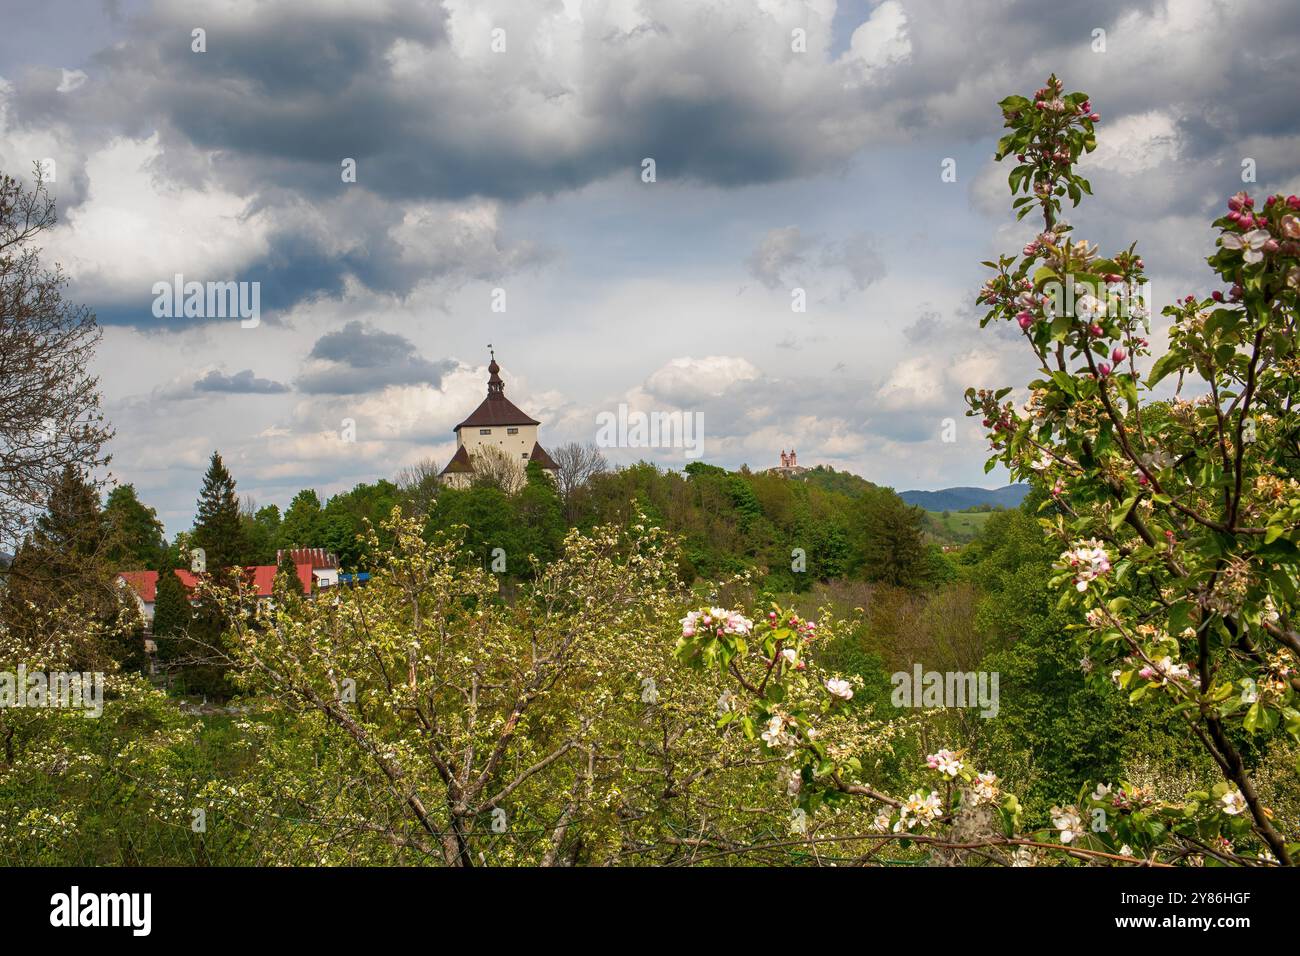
496 409
459 462
316 557
260 577
143 583
539 455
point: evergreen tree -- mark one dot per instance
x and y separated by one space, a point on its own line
893 548
62 565
172 615
218 528
135 535
287 584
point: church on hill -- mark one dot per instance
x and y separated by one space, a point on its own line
496 423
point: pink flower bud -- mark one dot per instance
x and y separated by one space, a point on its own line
1096 330
1103 369
1118 355
1216 295
1095 117
1025 320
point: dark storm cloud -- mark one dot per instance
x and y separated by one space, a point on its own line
713 93
284 92
357 359
241 383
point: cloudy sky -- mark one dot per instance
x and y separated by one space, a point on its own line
779 164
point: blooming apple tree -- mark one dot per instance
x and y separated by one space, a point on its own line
1179 516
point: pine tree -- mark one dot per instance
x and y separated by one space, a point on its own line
61 565
287 584
135 533
894 550
172 615
218 529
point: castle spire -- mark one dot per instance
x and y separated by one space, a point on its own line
496 387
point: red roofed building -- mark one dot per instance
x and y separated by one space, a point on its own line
496 423
324 564
260 579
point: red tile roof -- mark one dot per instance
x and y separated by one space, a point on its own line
143 583
260 577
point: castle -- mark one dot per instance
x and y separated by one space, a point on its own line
789 465
496 423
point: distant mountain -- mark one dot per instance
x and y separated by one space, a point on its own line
957 499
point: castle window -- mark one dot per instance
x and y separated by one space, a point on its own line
523 454
485 431
512 431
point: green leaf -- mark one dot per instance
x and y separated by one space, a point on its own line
1121 515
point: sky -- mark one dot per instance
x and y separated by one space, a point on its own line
499 153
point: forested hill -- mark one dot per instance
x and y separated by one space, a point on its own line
959 499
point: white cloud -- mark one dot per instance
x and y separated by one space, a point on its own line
881 41
135 229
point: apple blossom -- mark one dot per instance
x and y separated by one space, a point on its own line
1252 243
1068 821
838 687
1233 803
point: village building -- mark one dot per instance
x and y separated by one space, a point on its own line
324 565
496 423
260 579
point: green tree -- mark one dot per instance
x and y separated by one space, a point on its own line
135 535
540 516
262 532
218 529
892 546
303 522
489 522
1178 523
62 565
172 615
